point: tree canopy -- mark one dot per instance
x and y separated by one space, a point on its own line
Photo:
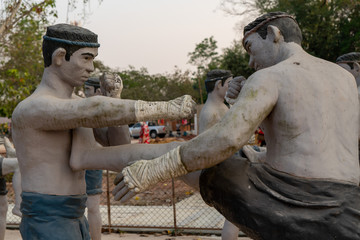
330 27
22 25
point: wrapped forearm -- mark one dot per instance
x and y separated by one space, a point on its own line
182 107
144 173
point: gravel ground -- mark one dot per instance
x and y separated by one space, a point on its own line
15 235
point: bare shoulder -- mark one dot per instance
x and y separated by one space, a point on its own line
74 96
31 107
265 80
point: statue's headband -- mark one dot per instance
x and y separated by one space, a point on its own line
93 82
348 61
254 29
69 42
218 78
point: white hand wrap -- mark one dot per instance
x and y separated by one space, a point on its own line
144 173
181 107
10 150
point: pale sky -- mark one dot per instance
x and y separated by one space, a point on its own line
156 34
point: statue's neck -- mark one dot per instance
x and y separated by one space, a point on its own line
288 50
215 98
53 83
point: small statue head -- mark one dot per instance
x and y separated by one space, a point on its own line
214 76
287 25
349 61
91 87
69 37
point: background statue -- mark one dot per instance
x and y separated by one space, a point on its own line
350 62
307 188
108 85
9 165
46 123
216 84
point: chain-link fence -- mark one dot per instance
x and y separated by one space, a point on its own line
168 205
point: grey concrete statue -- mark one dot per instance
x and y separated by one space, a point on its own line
9 164
107 85
308 186
46 124
351 62
216 84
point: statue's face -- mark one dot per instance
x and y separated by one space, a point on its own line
78 69
263 52
90 91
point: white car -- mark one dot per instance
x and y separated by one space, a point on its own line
154 129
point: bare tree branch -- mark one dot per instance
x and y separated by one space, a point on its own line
7 23
11 21
238 7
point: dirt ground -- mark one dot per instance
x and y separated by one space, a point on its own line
15 235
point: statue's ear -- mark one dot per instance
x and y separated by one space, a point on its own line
218 84
274 34
58 56
357 68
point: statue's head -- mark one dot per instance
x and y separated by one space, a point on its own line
287 25
265 38
69 37
91 87
351 62
217 79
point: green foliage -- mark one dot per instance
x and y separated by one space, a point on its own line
4 129
205 54
206 58
139 84
21 65
330 28
180 83
235 59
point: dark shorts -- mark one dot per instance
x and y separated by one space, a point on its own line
93 180
53 217
3 190
268 204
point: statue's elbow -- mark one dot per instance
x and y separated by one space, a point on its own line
76 163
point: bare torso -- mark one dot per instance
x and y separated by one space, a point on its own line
309 111
312 130
211 113
44 157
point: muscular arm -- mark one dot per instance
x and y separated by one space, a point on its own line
255 102
87 154
50 113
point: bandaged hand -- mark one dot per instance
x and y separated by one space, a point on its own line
254 156
111 85
142 174
178 108
235 86
10 150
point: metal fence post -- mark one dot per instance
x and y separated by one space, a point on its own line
173 203
108 200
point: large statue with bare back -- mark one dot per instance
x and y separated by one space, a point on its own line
45 124
308 186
